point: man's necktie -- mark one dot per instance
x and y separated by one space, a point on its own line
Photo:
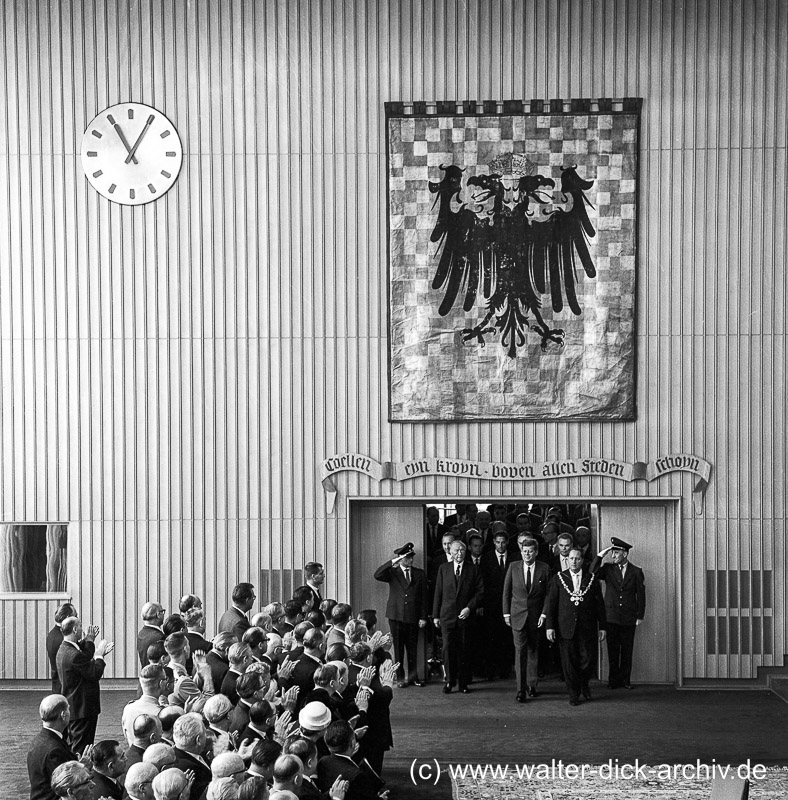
528 579
503 563
457 574
407 575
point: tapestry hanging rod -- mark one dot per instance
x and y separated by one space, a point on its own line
602 105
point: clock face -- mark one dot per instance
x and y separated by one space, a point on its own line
131 154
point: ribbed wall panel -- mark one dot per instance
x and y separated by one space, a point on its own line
171 375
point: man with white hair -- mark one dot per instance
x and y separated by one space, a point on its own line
222 789
172 784
217 714
80 665
151 630
73 781
229 765
160 755
240 657
48 750
139 781
190 741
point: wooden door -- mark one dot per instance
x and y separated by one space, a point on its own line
376 530
649 528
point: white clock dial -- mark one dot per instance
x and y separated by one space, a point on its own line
131 154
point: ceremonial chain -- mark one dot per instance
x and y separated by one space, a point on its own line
576 597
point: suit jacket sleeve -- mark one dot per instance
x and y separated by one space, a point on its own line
436 603
478 590
425 597
550 609
507 591
88 667
601 616
641 584
383 572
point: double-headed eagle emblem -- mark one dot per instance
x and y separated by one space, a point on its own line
511 241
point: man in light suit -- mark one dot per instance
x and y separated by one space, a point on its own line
407 609
524 593
236 619
575 612
80 665
458 593
625 607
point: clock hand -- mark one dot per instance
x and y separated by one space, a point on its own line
120 134
133 150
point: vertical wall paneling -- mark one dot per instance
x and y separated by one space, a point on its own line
171 375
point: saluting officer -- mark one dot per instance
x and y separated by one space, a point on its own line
625 607
407 608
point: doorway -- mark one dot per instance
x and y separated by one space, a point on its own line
378 527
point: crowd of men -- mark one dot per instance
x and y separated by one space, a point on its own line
290 703
520 585
293 702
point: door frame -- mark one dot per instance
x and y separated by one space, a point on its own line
671 502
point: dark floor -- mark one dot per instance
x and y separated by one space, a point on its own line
655 725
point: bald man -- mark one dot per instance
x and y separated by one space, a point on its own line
49 749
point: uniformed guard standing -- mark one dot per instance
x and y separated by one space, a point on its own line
625 607
407 609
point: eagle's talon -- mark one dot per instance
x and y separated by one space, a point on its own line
555 335
477 333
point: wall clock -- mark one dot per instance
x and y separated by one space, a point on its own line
131 154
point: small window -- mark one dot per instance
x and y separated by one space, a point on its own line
33 558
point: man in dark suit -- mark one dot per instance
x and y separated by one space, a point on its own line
559 560
236 619
433 532
306 664
575 612
407 609
498 647
151 630
363 782
217 657
49 749
524 593
190 739
80 665
109 766
625 607
55 639
458 593
315 576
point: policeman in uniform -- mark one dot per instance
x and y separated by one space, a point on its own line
625 607
407 608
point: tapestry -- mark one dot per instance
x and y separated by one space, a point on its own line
512 261
772 785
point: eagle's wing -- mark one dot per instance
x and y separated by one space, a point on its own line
464 240
569 240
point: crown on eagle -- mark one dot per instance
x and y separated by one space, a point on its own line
512 164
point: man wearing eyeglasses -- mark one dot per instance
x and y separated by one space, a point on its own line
74 781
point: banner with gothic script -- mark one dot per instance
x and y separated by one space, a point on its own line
514 471
512 257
